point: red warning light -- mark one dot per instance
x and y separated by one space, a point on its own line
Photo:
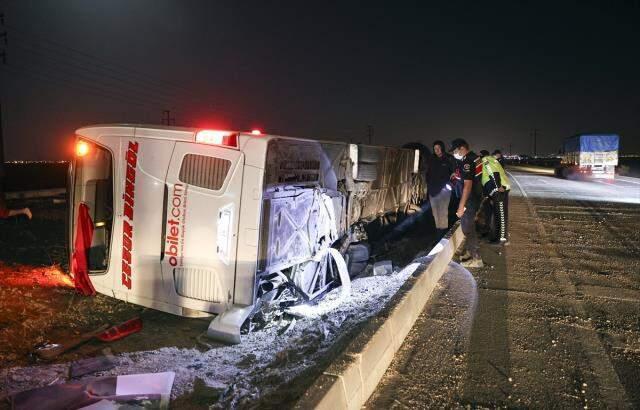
217 137
256 132
82 148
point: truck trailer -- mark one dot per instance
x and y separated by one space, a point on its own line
589 155
197 222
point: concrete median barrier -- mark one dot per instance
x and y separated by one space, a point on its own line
352 377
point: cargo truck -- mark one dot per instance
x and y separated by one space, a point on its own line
589 156
199 222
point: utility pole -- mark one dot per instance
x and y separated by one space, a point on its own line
510 150
167 119
370 134
535 142
3 61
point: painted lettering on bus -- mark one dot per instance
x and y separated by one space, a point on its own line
127 220
175 233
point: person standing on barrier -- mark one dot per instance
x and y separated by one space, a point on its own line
441 167
470 200
496 188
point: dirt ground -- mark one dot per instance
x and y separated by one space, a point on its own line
553 320
40 305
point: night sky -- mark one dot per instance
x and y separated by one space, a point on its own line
489 72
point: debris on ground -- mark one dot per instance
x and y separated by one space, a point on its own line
383 268
145 390
121 331
92 365
291 352
49 351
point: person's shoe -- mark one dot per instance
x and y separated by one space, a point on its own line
473 263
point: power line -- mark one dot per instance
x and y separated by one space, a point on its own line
53 77
100 72
73 77
80 72
61 79
49 80
58 63
110 65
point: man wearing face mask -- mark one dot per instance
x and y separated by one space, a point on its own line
470 200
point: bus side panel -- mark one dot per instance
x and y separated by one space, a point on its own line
248 235
204 187
384 182
151 161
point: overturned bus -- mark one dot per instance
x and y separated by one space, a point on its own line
200 222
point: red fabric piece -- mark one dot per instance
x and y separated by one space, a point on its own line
80 263
4 213
122 330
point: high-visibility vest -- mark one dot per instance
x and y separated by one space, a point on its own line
489 166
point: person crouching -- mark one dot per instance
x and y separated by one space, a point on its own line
496 188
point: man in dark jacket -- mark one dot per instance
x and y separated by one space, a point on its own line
471 198
440 170
497 154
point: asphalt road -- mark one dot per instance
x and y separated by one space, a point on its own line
539 183
553 320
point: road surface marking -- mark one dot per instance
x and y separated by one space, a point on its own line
550 211
604 182
629 179
524 194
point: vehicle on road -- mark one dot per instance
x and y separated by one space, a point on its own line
589 155
199 222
